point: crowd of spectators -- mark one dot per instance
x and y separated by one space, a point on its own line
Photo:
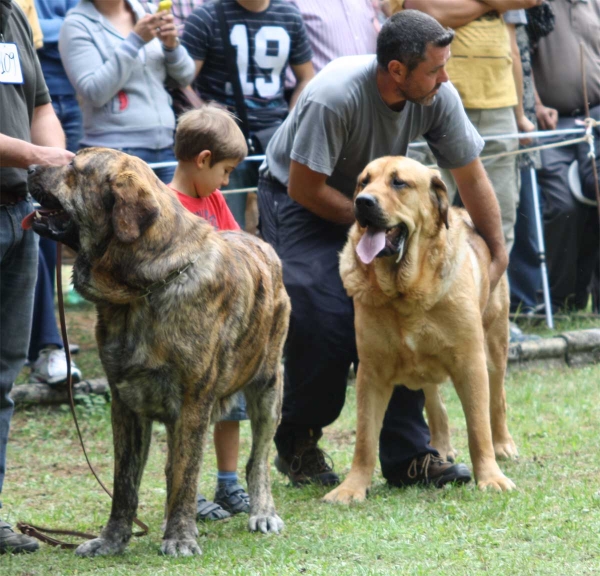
107 72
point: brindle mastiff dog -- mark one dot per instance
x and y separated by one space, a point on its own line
186 317
417 271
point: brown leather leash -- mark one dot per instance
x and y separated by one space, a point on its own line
37 531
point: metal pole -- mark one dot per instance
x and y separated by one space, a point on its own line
541 248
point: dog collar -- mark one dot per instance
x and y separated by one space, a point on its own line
172 276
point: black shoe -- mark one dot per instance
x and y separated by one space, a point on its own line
430 470
309 465
12 542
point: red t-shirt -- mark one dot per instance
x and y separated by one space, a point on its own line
213 209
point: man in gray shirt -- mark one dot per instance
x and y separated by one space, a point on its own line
357 109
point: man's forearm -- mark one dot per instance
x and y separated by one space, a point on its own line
506 5
46 129
479 198
328 203
451 13
297 91
309 189
16 153
517 70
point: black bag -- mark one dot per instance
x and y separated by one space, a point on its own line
261 139
183 99
540 22
257 141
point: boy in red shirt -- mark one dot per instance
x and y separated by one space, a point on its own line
208 147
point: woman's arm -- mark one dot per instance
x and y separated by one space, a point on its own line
180 66
95 80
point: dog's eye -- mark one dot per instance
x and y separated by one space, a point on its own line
365 181
398 184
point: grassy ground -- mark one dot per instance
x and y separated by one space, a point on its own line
550 525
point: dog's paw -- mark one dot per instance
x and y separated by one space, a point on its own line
99 547
345 495
448 453
499 483
265 523
506 450
180 547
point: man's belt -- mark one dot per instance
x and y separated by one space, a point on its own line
9 197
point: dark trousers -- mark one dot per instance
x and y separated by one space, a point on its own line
321 343
570 227
68 112
44 331
524 272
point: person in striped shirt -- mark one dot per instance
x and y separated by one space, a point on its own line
267 35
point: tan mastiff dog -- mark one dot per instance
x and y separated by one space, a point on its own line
187 316
417 272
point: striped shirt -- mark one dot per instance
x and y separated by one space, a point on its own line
181 9
265 43
339 28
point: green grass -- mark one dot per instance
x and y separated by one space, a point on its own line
550 525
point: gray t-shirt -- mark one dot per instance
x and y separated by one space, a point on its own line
340 123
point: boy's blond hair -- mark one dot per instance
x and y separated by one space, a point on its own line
211 128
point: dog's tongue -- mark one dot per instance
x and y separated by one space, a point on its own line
371 244
27 222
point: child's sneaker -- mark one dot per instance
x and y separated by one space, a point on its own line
51 367
233 498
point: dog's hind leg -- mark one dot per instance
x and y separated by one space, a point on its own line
186 441
470 379
263 398
497 351
372 398
437 418
131 438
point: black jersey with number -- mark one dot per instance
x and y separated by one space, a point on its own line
265 43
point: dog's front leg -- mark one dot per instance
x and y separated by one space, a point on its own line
264 407
372 399
470 379
131 438
185 439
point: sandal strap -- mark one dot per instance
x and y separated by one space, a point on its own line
207 510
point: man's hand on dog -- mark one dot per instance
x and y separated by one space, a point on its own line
50 156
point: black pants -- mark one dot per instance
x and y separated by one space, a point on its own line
321 343
570 227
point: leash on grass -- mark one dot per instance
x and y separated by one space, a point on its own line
40 532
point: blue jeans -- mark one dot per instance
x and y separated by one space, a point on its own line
18 271
163 155
68 112
44 330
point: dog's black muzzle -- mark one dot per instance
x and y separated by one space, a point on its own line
368 212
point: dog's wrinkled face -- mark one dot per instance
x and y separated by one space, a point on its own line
395 198
102 193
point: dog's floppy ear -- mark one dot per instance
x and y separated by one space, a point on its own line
135 208
439 194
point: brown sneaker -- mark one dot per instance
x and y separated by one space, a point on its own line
309 465
430 470
15 543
